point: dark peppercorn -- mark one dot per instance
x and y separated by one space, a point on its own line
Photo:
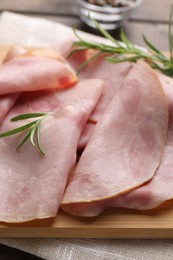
113 3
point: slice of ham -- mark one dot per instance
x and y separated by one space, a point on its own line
113 76
86 135
152 194
14 52
127 143
45 101
7 101
18 52
21 52
160 188
31 186
35 72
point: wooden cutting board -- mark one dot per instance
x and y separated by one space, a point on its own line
114 223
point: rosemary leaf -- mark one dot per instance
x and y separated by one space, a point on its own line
33 130
103 32
118 60
18 130
151 46
23 140
127 51
125 40
32 134
38 140
27 116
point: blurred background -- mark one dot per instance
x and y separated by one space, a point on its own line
150 18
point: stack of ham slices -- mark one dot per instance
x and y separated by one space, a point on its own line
118 117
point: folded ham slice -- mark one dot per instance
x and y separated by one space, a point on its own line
152 194
21 52
33 72
113 76
14 52
127 143
8 100
160 188
31 186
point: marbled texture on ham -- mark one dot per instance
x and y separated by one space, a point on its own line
31 186
127 143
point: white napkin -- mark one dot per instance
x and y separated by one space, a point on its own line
27 31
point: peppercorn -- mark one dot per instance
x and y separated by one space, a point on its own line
113 3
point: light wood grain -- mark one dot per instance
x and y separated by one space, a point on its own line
156 33
65 7
153 11
114 223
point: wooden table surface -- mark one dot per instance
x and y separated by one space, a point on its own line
151 19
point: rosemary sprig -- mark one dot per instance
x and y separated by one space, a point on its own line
32 129
124 50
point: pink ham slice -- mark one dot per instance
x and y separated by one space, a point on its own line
30 80
152 194
44 101
86 135
14 52
31 186
113 76
160 188
21 52
34 73
7 101
127 144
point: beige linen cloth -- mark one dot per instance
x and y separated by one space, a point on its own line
18 29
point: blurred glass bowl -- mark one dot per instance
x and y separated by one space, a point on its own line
107 16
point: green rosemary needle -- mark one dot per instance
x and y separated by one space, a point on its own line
31 129
124 50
